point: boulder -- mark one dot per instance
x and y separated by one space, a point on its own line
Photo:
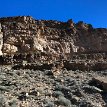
102 81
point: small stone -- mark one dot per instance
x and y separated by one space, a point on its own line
23 96
13 103
92 89
75 99
24 104
63 101
57 93
4 88
49 104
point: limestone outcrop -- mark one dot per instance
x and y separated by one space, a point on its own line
53 40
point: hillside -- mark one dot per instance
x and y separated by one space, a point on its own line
48 63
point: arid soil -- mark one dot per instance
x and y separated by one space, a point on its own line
35 88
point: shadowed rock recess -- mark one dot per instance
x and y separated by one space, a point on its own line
48 63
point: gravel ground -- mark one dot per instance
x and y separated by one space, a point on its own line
35 88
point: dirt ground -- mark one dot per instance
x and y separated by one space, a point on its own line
35 88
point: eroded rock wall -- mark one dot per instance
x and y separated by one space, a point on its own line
57 40
26 35
1 40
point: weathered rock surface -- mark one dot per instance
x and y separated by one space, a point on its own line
26 39
26 35
52 64
58 40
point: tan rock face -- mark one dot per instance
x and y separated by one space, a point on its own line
57 39
1 40
9 49
12 40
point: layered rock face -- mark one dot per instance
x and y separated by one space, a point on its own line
52 63
26 35
53 39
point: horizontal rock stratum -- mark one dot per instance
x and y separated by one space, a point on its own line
58 40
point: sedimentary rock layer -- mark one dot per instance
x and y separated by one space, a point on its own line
55 39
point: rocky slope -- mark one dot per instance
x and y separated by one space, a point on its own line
42 88
52 64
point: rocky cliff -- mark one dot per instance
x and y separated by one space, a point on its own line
55 39
52 63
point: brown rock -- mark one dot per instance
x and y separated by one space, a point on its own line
58 40
101 81
9 49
